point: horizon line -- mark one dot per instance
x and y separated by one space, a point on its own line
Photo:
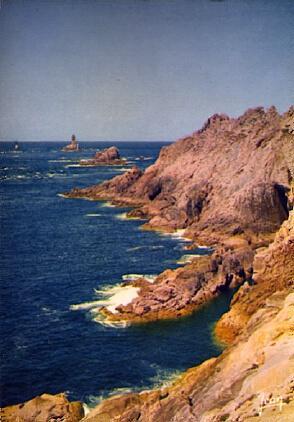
83 141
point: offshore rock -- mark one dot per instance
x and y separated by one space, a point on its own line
44 408
108 156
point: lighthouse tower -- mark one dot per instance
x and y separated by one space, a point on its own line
72 146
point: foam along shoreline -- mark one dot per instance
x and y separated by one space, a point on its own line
177 234
133 277
124 216
187 259
72 165
163 378
107 204
111 298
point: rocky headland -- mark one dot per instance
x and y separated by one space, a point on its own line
228 178
228 185
107 157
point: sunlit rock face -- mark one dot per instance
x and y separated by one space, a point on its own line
46 407
231 176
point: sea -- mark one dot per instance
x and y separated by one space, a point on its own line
58 256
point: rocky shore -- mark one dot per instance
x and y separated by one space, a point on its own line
228 185
252 380
208 185
107 157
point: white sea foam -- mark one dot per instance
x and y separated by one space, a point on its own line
86 409
178 234
110 324
163 378
85 306
124 216
93 401
74 165
60 161
117 295
93 215
143 158
132 277
135 248
110 298
186 259
107 204
121 169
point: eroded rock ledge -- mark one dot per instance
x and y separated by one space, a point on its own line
176 293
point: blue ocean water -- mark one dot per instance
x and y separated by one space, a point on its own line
54 253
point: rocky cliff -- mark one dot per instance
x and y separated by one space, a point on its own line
230 177
227 184
230 185
273 271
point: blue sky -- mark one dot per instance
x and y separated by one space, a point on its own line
139 69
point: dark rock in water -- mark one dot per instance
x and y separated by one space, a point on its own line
44 408
108 156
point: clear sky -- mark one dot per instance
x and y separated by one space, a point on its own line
139 69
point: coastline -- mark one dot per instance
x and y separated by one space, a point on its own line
258 327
